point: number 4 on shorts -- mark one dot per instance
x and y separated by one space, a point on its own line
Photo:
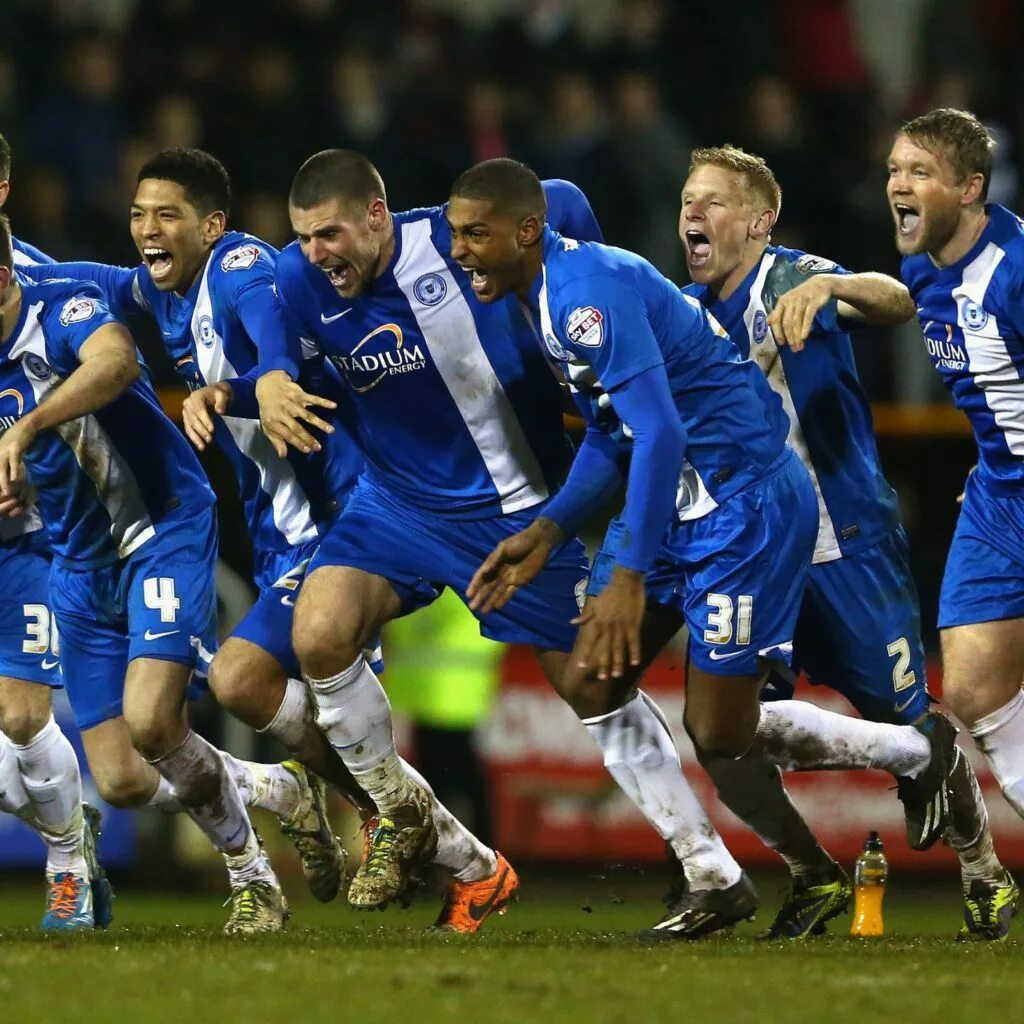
158 593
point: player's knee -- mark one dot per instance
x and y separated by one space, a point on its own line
717 738
324 646
231 684
127 789
153 735
23 722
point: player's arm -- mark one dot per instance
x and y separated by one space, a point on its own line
869 298
594 478
108 365
120 285
569 211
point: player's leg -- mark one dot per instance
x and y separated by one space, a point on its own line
255 687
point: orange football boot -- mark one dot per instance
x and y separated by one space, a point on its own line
468 904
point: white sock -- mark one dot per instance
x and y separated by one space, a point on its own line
641 756
164 798
269 786
294 718
209 796
458 849
354 712
799 736
53 782
13 798
1000 737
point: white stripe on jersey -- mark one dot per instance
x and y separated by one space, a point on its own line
116 488
22 259
449 332
292 514
766 355
692 498
989 360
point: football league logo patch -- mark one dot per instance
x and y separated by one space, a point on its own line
975 315
430 289
76 310
808 264
241 258
585 326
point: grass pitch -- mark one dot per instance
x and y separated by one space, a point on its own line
564 954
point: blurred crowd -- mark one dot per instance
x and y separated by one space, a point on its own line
611 94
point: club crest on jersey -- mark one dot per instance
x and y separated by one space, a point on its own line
585 326
555 348
206 332
975 315
240 258
37 366
76 310
808 264
430 289
760 326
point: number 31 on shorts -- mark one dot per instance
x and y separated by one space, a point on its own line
726 617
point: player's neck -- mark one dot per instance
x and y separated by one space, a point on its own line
533 258
968 230
188 285
723 289
10 311
387 249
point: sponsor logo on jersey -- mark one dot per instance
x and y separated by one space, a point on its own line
975 315
808 264
240 258
555 347
76 310
585 326
760 326
945 352
430 289
206 332
382 353
19 400
37 366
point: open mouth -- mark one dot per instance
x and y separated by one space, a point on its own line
907 218
478 279
698 248
341 276
159 261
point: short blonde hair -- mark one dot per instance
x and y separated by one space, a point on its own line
757 175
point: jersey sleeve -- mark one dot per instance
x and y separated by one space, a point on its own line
284 351
603 321
569 211
121 286
71 323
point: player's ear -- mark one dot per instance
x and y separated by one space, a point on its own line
214 225
5 189
377 214
762 224
529 230
973 187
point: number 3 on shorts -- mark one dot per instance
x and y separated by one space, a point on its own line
721 616
158 593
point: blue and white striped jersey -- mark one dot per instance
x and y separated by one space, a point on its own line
213 334
972 316
25 255
830 418
454 403
607 316
108 481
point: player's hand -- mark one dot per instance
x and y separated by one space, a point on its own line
14 443
792 318
610 625
200 407
12 507
284 407
512 564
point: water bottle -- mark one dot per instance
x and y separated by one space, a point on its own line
870 874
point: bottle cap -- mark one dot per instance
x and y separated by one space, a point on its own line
874 842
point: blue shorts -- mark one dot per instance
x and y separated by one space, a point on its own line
420 553
29 647
160 602
859 632
984 578
268 623
738 573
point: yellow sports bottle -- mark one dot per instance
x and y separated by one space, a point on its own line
870 874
